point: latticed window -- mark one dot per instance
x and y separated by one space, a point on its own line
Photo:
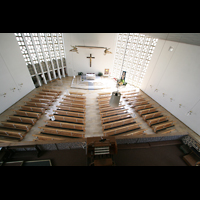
133 54
43 53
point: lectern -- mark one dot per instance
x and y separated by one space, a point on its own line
100 151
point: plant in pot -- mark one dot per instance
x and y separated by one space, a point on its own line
100 74
80 73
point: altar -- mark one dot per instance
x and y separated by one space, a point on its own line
90 76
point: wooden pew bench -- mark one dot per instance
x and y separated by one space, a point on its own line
41 100
111 108
34 109
74 99
152 115
18 134
22 119
139 103
118 123
127 92
133 96
103 97
147 111
45 97
122 129
130 94
28 114
168 130
62 132
36 104
76 93
14 125
51 90
134 132
104 93
161 126
66 125
62 103
67 119
76 96
142 107
67 113
106 104
56 95
135 99
116 117
115 112
74 109
157 120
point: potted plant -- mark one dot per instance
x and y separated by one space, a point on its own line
100 74
80 73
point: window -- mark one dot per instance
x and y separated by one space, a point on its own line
42 52
133 54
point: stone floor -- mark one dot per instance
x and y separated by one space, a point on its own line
93 122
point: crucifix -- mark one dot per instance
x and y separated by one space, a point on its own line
91 59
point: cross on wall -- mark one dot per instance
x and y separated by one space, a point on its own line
91 59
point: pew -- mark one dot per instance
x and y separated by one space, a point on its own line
111 108
157 120
162 126
103 96
74 100
130 94
166 131
35 109
65 125
82 110
19 134
41 100
76 96
146 111
143 107
36 104
67 113
45 97
133 96
134 132
76 93
106 104
104 93
135 99
22 119
49 94
116 117
67 119
118 123
115 112
72 104
122 129
62 132
103 99
138 103
151 115
127 91
15 125
28 114
51 90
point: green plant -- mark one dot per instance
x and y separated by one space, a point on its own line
80 73
100 74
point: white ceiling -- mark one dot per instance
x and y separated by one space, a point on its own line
188 38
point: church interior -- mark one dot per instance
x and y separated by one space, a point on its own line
99 99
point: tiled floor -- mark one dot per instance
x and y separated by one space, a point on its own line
93 122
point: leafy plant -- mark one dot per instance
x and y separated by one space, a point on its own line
80 73
100 74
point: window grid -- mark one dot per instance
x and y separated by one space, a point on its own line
37 58
133 54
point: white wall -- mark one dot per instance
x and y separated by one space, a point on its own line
13 72
79 63
177 74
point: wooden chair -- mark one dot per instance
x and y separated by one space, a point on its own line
67 119
115 112
151 115
122 129
22 119
118 123
67 113
18 134
34 109
74 109
28 114
62 132
65 125
162 126
14 125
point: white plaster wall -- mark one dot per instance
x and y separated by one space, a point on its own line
79 63
13 72
177 75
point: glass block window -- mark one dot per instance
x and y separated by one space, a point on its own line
133 54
